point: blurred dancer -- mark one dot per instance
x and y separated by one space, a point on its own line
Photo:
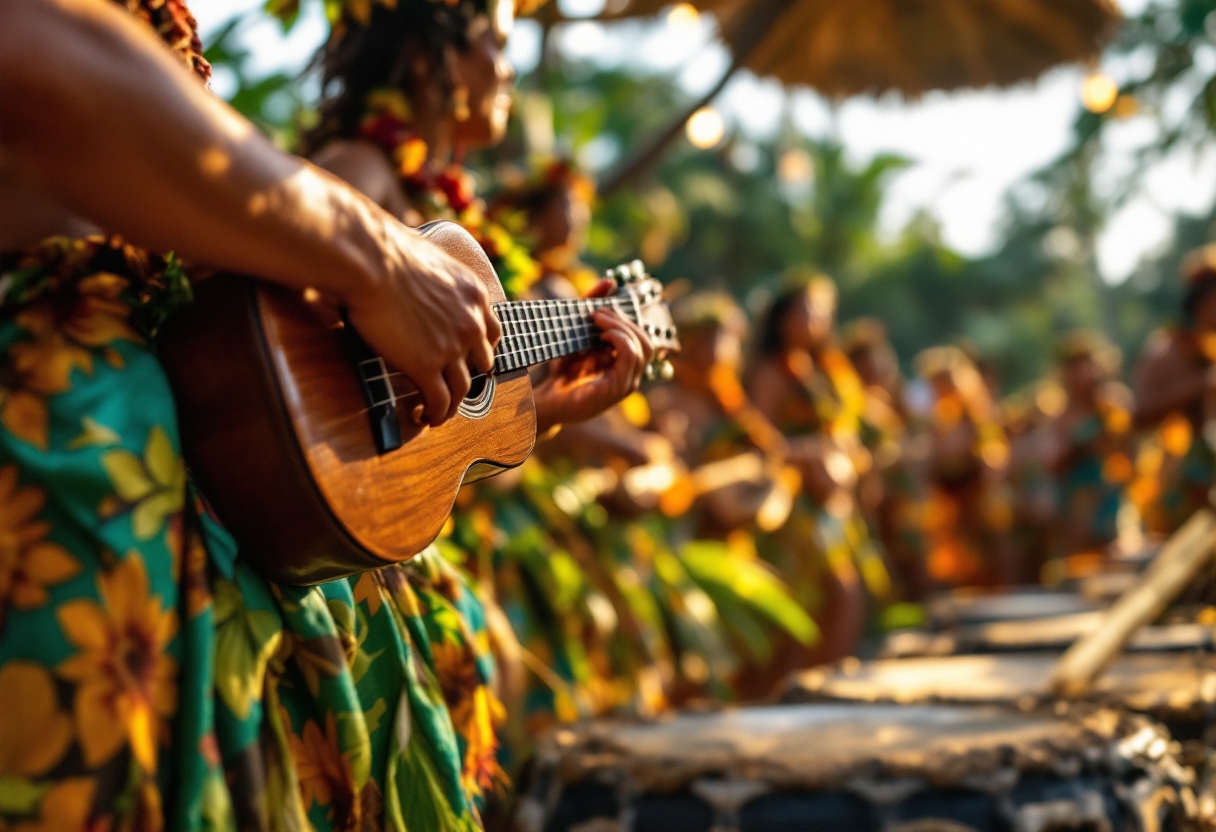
1027 417
809 389
1175 393
891 491
552 206
738 486
1088 450
969 512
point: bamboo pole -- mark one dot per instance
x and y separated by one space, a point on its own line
1176 565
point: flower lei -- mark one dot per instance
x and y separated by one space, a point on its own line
172 21
152 285
447 194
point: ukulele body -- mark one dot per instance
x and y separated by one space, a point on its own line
276 431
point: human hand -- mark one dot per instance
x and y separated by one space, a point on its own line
579 387
429 317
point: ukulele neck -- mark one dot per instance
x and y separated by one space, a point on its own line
535 331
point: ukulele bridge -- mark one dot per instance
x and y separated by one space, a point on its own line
381 404
377 387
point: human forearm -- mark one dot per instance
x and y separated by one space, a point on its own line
97 114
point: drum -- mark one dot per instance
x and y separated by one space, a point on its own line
858 768
1179 690
1054 633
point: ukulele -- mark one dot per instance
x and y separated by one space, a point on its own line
304 440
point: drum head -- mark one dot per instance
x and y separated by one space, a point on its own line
842 768
1164 684
1054 633
968 608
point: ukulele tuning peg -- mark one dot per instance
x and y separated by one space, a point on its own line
650 373
667 371
638 270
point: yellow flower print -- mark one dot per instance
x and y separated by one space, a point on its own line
456 671
481 771
125 682
34 732
368 589
319 763
28 562
61 340
154 487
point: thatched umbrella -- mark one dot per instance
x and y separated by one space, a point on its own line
843 48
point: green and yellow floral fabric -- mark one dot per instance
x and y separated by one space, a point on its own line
148 678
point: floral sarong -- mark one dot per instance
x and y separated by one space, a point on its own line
148 677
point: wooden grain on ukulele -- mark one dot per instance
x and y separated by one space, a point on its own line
305 442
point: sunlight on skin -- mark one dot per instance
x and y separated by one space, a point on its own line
214 162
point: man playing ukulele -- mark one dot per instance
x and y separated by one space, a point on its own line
146 674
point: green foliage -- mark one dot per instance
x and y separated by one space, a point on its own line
723 218
745 589
273 102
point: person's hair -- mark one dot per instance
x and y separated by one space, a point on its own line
1088 344
361 58
772 336
1199 274
864 334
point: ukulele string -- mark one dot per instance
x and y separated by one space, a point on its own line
572 325
394 397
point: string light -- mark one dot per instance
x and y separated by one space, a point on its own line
1098 92
683 14
706 128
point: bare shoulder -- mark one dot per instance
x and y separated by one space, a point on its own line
364 166
353 155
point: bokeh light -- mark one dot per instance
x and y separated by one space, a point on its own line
683 15
1098 92
706 128
795 167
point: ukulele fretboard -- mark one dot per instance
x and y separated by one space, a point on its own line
534 331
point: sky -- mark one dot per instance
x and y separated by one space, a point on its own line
967 148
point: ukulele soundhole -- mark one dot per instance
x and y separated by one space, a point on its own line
477 404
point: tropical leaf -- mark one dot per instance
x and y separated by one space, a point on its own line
415 800
131 482
712 566
94 434
245 640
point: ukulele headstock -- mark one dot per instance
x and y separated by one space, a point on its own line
654 317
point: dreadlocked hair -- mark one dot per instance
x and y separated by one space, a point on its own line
362 57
